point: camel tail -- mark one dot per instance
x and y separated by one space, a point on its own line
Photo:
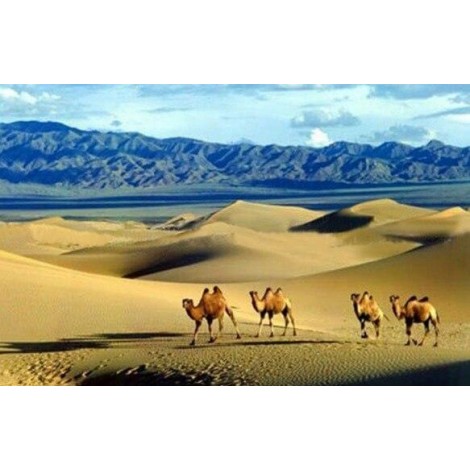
437 317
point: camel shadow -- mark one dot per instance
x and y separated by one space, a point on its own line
99 341
246 343
50 346
137 336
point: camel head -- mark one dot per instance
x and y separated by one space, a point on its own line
396 307
258 304
188 305
355 300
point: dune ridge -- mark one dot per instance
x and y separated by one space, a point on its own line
238 244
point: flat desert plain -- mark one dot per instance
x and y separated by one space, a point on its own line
100 302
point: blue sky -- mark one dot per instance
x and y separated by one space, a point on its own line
282 114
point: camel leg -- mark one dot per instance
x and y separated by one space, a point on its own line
436 331
198 325
364 334
271 335
377 329
209 324
286 320
426 332
293 322
234 321
408 334
261 319
221 325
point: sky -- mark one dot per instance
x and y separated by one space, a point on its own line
314 115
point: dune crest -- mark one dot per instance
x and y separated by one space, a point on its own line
439 226
366 214
262 217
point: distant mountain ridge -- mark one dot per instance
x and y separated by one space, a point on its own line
53 154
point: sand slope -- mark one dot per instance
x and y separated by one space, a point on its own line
219 251
41 302
54 235
370 213
434 227
263 217
69 326
440 271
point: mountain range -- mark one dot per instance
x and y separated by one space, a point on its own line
55 155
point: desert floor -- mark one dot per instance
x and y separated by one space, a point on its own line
99 302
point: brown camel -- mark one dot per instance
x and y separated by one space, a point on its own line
416 311
367 309
211 306
271 304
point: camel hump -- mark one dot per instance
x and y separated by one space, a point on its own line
206 291
413 298
424 299
279 290
217 290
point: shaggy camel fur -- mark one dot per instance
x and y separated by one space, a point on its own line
211 306
271 304
416 311
367 309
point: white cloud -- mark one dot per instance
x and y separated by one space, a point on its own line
45 96
462 118
403 133
11 95
318 138
325 118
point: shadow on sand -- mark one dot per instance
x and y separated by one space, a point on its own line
137 336
254 342
450 374
101 341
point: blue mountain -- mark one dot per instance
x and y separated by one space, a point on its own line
53 154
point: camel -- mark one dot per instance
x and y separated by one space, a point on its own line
367 309
271 304
416 311
211 306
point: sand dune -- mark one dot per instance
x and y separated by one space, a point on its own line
218 252
371 213
55 235
70 326
37 238
42 302
179 222
263 217
439 271
442 225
